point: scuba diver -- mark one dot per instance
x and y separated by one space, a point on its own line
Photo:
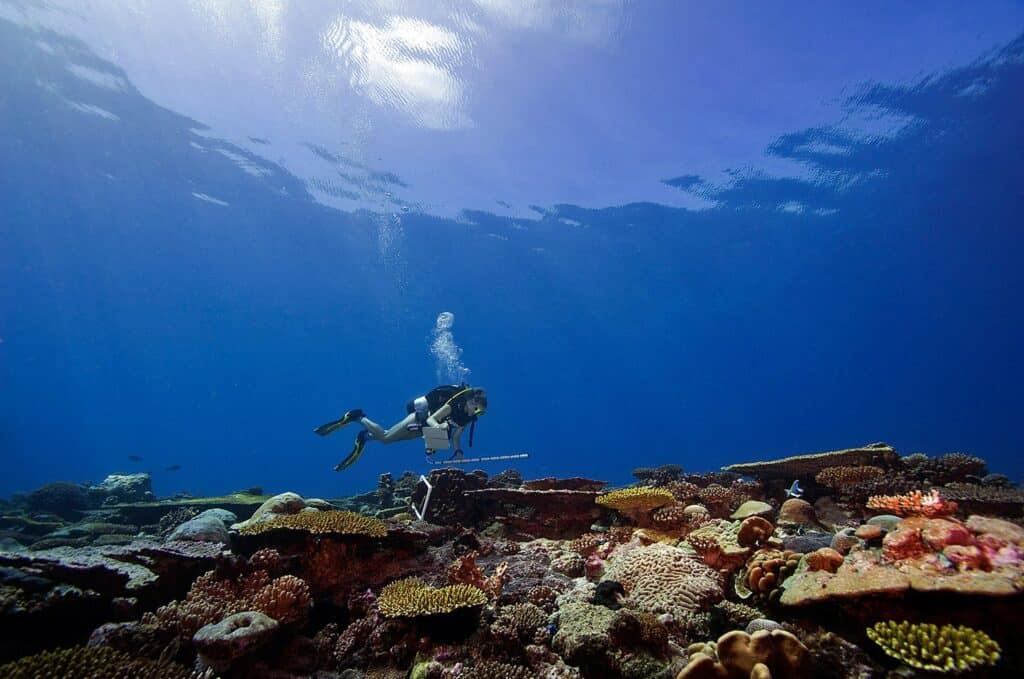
449 406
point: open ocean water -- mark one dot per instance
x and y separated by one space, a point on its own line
660 233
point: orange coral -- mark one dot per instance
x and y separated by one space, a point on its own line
754 531
824 559
915 503
466 572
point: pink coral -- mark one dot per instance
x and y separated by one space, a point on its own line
914 503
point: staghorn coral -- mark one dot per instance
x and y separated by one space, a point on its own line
99 662
335 522
663 579
914 503
947 648
411 597
838 478
807 466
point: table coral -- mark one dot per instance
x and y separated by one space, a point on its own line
807 466
636 502
947 648
837 478
335 522
411 597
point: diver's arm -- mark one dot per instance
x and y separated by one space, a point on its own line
441 413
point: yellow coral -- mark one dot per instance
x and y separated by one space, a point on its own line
636 499
101 662
411 597
333 521
948 648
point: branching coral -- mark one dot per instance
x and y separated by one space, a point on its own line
518 622
839 477
947 648
286 599
411 597
329 522
914 503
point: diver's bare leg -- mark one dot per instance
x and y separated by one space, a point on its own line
399 432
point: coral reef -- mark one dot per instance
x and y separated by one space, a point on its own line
947 648
550 577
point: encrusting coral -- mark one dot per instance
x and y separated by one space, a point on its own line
411 597
925 646
335 522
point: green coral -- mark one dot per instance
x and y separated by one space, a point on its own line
949 648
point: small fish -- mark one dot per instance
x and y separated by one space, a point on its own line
172 468
795 490
135 458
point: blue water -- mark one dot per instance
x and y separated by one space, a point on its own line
157 299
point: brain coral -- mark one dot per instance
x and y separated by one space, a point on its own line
411 597
664 579
81 662
637 499
947 648
333 521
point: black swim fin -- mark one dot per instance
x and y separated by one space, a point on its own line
347 418
357 452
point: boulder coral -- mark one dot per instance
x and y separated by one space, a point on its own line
762 655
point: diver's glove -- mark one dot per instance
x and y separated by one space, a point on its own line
357 451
